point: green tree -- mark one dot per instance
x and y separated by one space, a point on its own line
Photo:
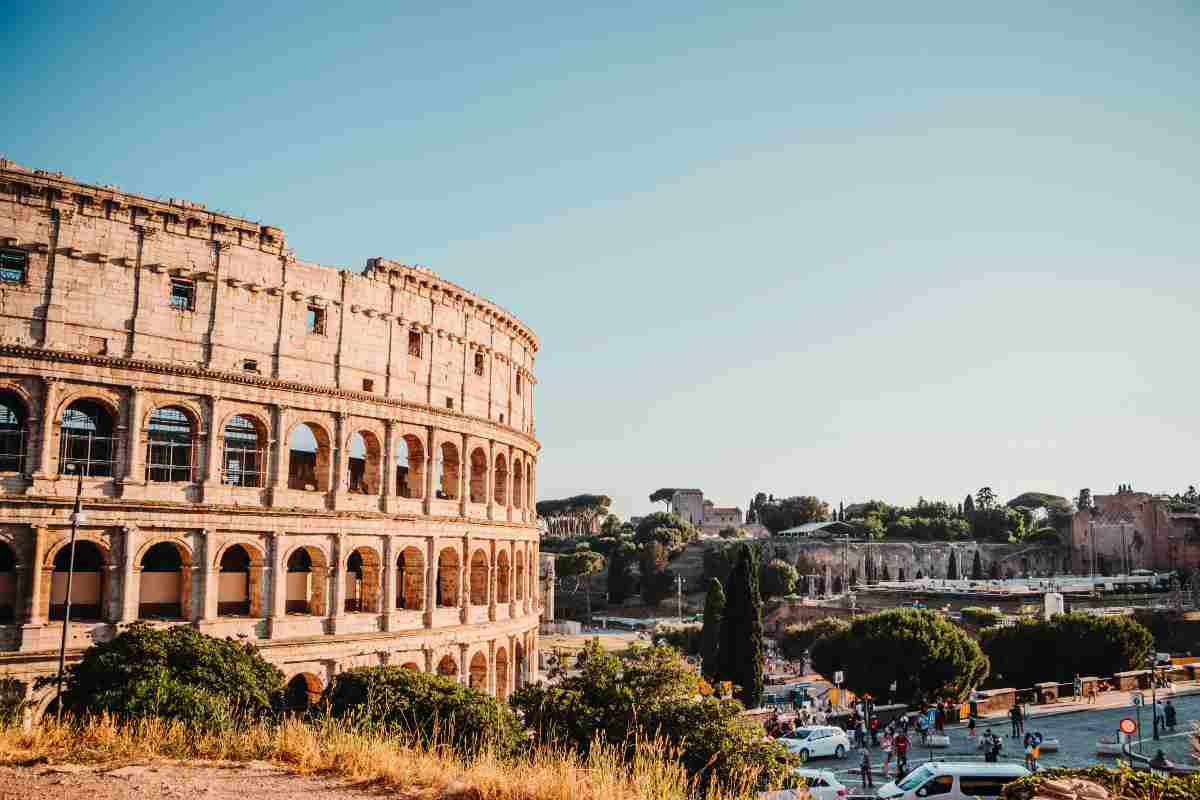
952 567
976 568
650 692
573 516
684 638
657 580
985 498
968 505
740 652
730 532
621 578
927 656
797 640
424 705
580 565
710 635
981 617
778 515
885 574
994 571
778 578
718 561
172 673
663 496
1080 643
669 530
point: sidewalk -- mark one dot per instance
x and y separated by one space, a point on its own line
1107 700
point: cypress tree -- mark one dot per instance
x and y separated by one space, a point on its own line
710 634
887 575
952 568
969 505
740 650
976 568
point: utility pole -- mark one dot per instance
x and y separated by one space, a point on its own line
679 597
78 517
845 575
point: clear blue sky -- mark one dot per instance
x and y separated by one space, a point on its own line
852 250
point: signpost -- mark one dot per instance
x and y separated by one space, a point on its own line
837 681
1136 697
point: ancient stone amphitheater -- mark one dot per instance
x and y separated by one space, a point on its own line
337 467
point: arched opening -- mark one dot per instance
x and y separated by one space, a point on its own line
410 467
414 666
520 576
448 468
14 432
87 445
363 464
448 580
306 573
87 585
477 675
518 483
500 495
519 665
244 454
308 459
170 446
503 570
502 674
163 591
529 504
478 488
8 584
362 581
302 691
410 589
447 668
233 582
479 579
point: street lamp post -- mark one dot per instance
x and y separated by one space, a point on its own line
1152 660
78 517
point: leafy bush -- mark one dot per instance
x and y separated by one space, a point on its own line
651 693
981 617
923 653
796 640
1058 649
778 578
174 673
684 638
1124 783
428 707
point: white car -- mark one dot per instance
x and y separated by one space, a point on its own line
818 785
815 741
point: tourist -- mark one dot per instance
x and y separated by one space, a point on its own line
971 726
1169 716
1077 687
864 768
886 743
939 719
900 743
1017 723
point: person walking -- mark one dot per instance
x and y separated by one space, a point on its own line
1076 688
887 743
971 726
1169 716
1015 714
901 745
939 719
864 769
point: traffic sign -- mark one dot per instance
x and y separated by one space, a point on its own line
1136 698
1128 726
837 677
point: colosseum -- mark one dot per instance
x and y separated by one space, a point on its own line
337 466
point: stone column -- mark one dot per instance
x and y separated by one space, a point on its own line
278 584
464 578
463 665
338 570
492 581
431 576
129 576
279 464
50 391
464 475
134 455
389 466
212 578
388 601
37 554
512 579
491 668
428 653
490 489
531 579
508 486
337 459
212 469
430 466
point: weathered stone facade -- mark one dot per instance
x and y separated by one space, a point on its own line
1134 530
338 467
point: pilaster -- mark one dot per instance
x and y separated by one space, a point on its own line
388 601
50 393
211 577
430 465
129 587
464 474
278 586
388 466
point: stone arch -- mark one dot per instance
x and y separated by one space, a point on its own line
479 578
518 483
410 467
410 585
501 673
245 448
529 504
447 667
500 495
503 577
477 672
362 580
87 440
303 690
448 578
171 443
308 446
414 666
307 569
239 567
16 411
479 469
448 465
164 574
364 462
10 568
91 586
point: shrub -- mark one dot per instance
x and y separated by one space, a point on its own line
684 638
778 578
797 640
1032 651
1124 783
430 708
981 617
174 673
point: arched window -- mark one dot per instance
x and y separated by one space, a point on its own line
448 578
170 456
503 569
410 572
410 467
477 677
448 463
233 583
500 495
479 579
447 668
306 576
308 462
363 464
244 456
162 588
13 433
502 674
87 584
87 444
354 582
478 487
8 584
302 691
518 483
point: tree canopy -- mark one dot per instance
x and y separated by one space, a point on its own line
573 516
710 634
740 651
1080 643
778 578
788 512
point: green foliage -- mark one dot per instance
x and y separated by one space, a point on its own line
779 515
997 524
174 673
740 652
684 638
621 578
731 533
710 635
1123 782
981 617
928 529
579 564
1032 651
1172 633
572 506
657 581
651 692
663 496
797 640
778 578
985 498
718 562
668 529
976 567
927 656
434 709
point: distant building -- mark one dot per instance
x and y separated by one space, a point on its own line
690 505
1132 530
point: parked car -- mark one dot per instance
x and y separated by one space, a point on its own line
818 785
816 741
950 781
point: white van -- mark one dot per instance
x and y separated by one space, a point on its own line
940 780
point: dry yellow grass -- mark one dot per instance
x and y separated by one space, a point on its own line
333 748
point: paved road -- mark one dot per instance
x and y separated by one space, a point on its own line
1077 733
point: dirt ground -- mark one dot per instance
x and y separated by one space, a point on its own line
252 781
